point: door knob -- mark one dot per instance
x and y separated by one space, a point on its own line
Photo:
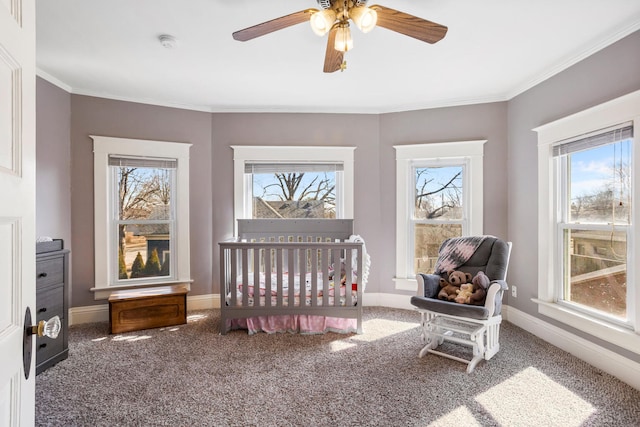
50 328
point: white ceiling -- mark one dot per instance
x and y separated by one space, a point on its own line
494 50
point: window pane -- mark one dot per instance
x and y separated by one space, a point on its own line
428 238
144 193
599 184
294 195
596 270
438 193
144 251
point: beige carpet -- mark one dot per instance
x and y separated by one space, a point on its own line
192 376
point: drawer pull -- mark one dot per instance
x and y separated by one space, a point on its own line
42 275
43 345
42 310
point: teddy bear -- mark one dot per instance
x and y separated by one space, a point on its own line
480 284
449 288
464 293
475 292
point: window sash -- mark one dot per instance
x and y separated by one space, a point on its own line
273 168
413 222
115 162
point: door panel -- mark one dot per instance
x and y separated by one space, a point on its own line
17 206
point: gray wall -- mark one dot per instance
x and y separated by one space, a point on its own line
361 131
608 74
465 123
510 183
98 116
53 159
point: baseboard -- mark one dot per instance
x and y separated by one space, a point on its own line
624 369
89 314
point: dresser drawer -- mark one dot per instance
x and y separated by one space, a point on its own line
49 271
49 303
46 348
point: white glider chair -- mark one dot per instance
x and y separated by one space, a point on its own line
472 325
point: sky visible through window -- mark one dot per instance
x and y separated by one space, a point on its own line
592 170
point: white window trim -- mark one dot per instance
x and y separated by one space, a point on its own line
248 153
620 110
471 152
102 147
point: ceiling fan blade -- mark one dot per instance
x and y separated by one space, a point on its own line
273 25
333 58
409 25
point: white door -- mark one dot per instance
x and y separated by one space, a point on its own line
17 206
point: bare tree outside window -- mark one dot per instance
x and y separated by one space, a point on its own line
437 213
294 195
144 203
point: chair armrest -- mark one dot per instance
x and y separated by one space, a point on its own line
428 285
493 302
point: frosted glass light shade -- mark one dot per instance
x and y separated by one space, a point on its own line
364 18
343 41
322 21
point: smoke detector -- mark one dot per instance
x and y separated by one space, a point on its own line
168 41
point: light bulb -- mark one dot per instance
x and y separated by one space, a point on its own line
364 18
322 21
343 41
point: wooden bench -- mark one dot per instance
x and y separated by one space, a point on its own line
146 308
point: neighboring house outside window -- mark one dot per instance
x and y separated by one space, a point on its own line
141 213
587 216
293 182
439 195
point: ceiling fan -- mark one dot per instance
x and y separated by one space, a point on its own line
334 17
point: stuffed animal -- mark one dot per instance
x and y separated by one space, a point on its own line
449 288
480 285
464 293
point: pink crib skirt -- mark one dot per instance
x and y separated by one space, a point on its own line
294 323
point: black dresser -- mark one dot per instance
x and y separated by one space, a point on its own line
52 296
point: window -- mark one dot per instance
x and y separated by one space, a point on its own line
293 182
141 200
587 216
293 190
439 195
594 218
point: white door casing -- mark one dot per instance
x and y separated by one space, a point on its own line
17 206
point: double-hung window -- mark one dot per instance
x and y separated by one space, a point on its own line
588 216
439 195
141 208
593 174
293 182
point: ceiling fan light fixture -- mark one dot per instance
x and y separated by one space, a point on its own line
364 18
343 42
322 21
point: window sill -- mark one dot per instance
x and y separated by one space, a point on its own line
617 335
104 292
406 284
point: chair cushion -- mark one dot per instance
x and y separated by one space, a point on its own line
450 308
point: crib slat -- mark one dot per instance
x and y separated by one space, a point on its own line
302 260
245 277
325 277
279 272
267 277
337 276
233 284
292 277
256 275
314 277
348 280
